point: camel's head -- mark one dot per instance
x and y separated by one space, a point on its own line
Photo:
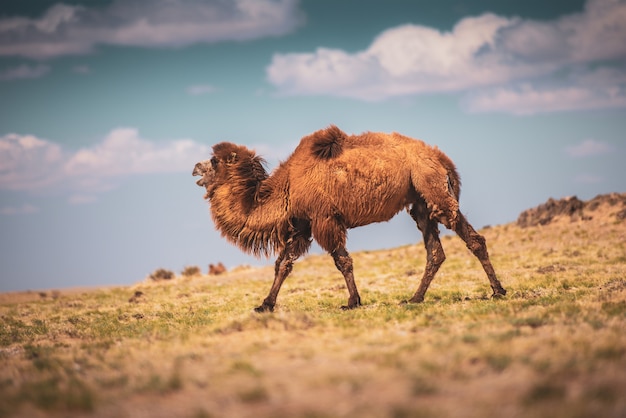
229 163
212 169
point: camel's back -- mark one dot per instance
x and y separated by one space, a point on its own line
371 153
362 178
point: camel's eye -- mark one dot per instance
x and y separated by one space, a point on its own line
214 162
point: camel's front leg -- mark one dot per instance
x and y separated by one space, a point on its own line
283 266
298 243
343 261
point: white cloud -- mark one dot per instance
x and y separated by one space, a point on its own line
201 89
24 71
506 64
588 148
405 60
37 165
27 162
527 99
65 30
18 210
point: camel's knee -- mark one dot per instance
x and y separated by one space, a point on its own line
284 263
343 261
437 256
284 268
434 251
477 244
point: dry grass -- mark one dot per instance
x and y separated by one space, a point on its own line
554 347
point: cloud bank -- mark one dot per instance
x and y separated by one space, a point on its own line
502 64
28 163
68 30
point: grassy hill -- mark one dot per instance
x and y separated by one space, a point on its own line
192 347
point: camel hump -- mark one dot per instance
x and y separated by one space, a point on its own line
328 143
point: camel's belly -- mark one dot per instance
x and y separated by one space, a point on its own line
362 199
360 213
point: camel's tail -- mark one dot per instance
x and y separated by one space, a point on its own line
448 216
454 184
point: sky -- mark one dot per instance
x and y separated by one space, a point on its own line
105 107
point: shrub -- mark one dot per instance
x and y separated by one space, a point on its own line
215 269
162 274
190 271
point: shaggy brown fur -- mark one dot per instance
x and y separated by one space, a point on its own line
333 182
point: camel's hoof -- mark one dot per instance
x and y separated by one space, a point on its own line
264 308
351 305
412 300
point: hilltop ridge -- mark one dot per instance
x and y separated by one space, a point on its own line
610 206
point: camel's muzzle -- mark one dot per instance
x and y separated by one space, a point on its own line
200 169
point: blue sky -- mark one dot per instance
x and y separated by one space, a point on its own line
105 106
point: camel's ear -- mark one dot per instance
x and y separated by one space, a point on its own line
232 158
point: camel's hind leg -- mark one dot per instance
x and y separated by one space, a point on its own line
477 245
297 244
434 250
343 261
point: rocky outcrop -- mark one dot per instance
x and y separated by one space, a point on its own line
610 206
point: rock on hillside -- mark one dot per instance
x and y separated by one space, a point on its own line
606 206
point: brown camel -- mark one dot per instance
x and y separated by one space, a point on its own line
332 182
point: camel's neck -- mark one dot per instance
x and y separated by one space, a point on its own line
252 215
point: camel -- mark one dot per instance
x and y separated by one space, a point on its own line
333 182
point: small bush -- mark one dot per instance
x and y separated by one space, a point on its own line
162 274
215 269
191 271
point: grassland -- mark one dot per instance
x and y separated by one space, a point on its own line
192 347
